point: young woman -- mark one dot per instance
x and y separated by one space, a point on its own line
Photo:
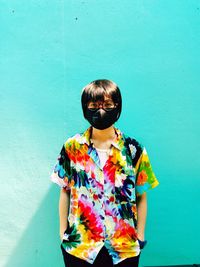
104 176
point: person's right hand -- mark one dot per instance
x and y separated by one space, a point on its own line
61 235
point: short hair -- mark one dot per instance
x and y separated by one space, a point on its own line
97 90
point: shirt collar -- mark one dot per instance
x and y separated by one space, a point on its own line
118 142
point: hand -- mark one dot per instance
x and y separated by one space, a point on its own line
61 235
140 236
141 240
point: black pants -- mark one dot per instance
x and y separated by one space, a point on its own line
103 259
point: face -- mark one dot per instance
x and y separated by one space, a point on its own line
102 114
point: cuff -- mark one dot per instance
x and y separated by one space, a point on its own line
142 243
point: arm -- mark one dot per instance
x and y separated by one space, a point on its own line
141 203
63 210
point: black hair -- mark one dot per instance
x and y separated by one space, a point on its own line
97 90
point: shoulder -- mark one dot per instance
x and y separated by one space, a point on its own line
132 141
74 141
134 147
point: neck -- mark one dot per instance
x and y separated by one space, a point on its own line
103 135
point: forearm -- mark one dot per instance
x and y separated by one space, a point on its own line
63 210
142 214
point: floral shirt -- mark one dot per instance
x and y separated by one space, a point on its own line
103 200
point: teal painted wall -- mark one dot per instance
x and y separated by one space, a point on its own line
49 50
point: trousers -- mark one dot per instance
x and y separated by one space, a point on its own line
102 259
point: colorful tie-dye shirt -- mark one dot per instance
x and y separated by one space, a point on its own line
103 200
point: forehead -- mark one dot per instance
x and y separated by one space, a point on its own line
107 98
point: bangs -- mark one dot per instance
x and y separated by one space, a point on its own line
99 94
98 90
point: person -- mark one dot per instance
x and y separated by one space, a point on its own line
104 176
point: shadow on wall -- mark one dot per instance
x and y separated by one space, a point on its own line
38 245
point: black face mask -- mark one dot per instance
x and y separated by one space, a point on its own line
102 119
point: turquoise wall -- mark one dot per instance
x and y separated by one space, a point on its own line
49 50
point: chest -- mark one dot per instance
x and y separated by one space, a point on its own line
112 174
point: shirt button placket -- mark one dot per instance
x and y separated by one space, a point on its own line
104 207
105 202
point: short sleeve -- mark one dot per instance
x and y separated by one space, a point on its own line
145 177
61 171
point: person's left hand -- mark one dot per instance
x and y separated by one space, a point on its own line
140 236
141 240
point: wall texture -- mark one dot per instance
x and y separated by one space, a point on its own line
48 51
